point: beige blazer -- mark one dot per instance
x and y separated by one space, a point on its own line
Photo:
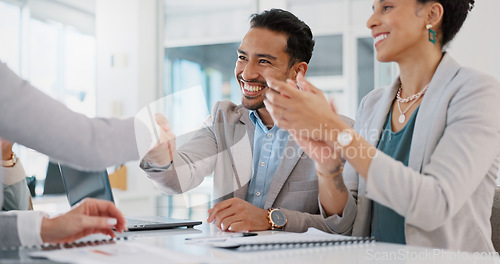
446 192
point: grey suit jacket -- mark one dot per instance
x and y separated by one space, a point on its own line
224 146
16 195
446 192
32 118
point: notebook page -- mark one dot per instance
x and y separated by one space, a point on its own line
312 238
121 252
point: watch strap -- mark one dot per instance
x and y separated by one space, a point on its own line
148 167
10 162
269 218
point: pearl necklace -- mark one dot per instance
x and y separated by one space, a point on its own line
411 98
414 98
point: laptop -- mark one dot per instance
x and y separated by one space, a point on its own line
81 184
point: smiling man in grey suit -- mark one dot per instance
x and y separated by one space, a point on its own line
262 179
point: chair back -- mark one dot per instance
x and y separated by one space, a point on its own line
53 180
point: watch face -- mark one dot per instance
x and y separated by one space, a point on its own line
278 218
344 138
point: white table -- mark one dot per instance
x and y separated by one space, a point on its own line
364 253
173 242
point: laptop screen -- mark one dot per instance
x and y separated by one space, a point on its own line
81 184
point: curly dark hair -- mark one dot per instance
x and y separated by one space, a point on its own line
300 42
455 13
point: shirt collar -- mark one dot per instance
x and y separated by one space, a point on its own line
254 116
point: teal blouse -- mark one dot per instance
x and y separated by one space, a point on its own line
387 225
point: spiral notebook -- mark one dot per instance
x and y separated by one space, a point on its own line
312 238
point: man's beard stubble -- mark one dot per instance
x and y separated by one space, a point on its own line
253 106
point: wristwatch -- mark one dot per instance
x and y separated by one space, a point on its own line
10 162
345 138
276 218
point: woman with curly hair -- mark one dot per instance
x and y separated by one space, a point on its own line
422 159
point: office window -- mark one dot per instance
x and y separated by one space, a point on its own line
209 66
79 77
209 38
365 63
327 56
186 74
61 63
55 57
43 56
10 26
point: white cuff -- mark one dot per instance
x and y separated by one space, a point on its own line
29 227
14 174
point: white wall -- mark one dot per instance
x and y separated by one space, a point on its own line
76 13
127 32
198 22
477 45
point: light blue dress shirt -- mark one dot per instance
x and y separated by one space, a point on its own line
268 150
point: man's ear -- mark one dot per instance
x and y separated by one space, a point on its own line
300 67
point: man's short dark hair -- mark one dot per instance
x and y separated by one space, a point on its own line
300 42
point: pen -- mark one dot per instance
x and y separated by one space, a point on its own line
223 237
